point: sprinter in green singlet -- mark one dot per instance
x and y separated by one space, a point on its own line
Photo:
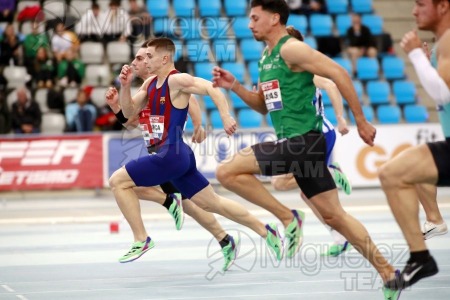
286 91
427 163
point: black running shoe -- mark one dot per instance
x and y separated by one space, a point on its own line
412 273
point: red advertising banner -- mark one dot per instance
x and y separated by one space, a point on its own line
56 162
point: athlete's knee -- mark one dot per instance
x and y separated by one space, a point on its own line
388 175
279 184
224 174
335 221
115 180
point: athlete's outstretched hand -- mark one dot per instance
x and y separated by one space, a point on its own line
410 41
199 134
112 99
229 124
222 78
367 132
126 75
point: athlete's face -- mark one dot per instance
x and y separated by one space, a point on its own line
138 64
426 14
154 59
261 22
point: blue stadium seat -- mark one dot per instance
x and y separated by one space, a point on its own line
215 120
330 115
240 28
393 67
311 41
251 49
237 69
374 22
362 6
198 50
378 92
404 92
321 25
345 63
237 102
248 118
388 114
208 103
164 27
325 98
178 49
191 28
224 50
367 68
367 111
209 8
300 23
190 126
254 72
217 28
337 6
343 23
158 8
235 8
415 113
203 70
183 8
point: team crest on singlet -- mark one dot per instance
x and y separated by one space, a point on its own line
162 100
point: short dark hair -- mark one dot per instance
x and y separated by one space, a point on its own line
294 33
162 43
274 6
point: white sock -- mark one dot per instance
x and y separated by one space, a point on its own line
337 237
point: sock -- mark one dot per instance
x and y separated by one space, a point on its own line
225 241
419 256
168 202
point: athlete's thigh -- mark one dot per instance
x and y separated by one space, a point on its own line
121 178
414 165
328 204
243 162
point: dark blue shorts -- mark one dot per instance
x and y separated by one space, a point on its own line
174 163
330 140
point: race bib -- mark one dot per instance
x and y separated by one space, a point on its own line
272 95
152 127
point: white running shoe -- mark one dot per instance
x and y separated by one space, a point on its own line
430 229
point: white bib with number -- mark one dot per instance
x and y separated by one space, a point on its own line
272 95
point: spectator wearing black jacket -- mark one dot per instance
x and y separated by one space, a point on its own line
26 115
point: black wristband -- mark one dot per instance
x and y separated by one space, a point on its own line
121 117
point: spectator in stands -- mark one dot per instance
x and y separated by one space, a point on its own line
115 23
10 47
44 69
360 41
5 116
62 41
80 115
107 120
140 20
26 114
307 7
70 70
32 43
89 27
7 10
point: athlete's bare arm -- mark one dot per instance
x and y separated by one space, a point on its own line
254 99
443 57
336 100
300 57
131 106
186 84
112 99
196 116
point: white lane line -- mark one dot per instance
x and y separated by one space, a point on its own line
7 288
163 216
21 297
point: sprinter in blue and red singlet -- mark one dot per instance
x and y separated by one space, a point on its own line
162 105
